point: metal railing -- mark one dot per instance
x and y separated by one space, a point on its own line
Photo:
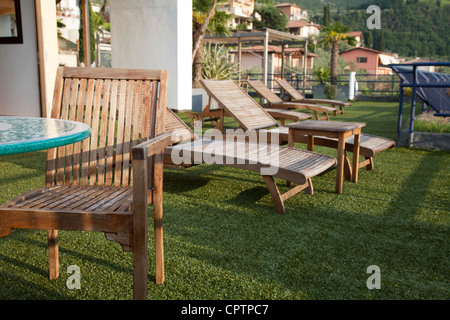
368 84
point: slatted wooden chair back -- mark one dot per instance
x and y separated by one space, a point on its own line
262 90
243 108
287 87
121 108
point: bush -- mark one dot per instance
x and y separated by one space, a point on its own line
330 91
216 64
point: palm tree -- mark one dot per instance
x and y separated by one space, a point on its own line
331 36
205 20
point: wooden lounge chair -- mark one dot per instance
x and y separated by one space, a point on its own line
293 165
251 116
293 95
103 183
275 101
216 116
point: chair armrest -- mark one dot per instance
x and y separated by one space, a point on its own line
148 148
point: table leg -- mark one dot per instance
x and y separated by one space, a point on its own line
291 138
310 144
340 163
355 162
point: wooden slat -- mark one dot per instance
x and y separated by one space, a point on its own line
79 118
113 73
86 142
71 116
63 115
93 154
120 133
127 134
111 130
50 175
147 115
136 122
103 133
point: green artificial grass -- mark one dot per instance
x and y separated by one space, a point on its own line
223 239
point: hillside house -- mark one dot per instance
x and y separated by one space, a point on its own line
358 35
374 61
292 11
243 12
303 28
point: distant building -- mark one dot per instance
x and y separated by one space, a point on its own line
243 12
358 35
374 61
292 11
253 56
303 28
68 13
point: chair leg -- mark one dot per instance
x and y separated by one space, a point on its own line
140 249
158 217
53 254
140 270
275 193
347 168
370 166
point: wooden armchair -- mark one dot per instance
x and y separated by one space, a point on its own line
103 183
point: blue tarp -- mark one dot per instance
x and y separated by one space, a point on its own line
435 97
432 87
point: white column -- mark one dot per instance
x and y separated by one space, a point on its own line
155 34
47 36
19 75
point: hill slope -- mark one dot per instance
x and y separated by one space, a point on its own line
410 27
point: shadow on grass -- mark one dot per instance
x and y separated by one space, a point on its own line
16 287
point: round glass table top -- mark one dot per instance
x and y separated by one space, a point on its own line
26 134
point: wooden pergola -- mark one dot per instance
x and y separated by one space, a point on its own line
265 36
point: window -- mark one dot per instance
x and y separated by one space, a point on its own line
361 59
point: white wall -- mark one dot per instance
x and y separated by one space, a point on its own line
48 56
155 34
19 77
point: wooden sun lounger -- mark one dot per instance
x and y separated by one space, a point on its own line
275 101
216 116
294 95
251 116
293 165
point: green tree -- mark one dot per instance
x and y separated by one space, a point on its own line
326 16
205 20
272 18
382 45
369 40
332 36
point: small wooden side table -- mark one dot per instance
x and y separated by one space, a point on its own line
331 129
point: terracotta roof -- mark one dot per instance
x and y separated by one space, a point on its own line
301 23
367 49
356 34
284 4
